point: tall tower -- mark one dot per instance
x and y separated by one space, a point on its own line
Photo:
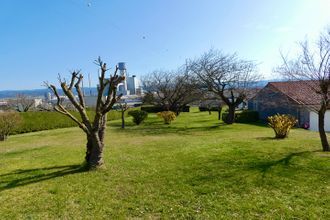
122 71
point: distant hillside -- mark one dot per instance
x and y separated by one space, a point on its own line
41 92
35 92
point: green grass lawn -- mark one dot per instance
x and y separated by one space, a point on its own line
196 168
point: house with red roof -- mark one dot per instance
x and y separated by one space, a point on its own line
297 98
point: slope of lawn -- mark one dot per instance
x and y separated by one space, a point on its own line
196 168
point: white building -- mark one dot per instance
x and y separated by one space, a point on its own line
314 121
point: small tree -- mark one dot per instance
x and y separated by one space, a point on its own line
123 107
312 67
8 122
282 124
94 129
209 108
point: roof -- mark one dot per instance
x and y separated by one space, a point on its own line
301 92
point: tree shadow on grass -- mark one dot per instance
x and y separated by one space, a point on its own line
265 166
168 129
157 127
204 174
22 177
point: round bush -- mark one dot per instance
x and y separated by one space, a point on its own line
281 124
138 116
167 116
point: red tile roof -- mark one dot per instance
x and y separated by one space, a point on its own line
302 92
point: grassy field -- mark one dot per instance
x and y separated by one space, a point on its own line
196 168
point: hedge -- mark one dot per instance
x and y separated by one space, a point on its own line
186 108
243 116
39 121
156 109
152 108
205 109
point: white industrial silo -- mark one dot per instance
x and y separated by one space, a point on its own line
123 72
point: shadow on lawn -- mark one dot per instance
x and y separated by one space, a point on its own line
169 129
25 177
212 171
158 127
265 167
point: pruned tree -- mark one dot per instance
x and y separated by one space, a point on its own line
21 103
94 129
227 76
173 90
312 67
123 107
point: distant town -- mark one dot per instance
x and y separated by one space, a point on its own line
43 99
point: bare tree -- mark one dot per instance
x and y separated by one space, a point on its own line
227 76
94 130
312 66
123 107
172 90
21 103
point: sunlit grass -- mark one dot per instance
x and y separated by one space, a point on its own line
196 167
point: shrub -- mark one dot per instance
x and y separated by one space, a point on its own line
138 116
152 108
281 124
186 108
167 116
243 116
157 108
205 109
247 116
8 122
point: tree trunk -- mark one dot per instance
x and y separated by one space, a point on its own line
323 135
89 147
3 137
122 119
177 111
219 113
230 119
103 126
95 145
96 156
94 153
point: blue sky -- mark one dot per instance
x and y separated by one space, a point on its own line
41 38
